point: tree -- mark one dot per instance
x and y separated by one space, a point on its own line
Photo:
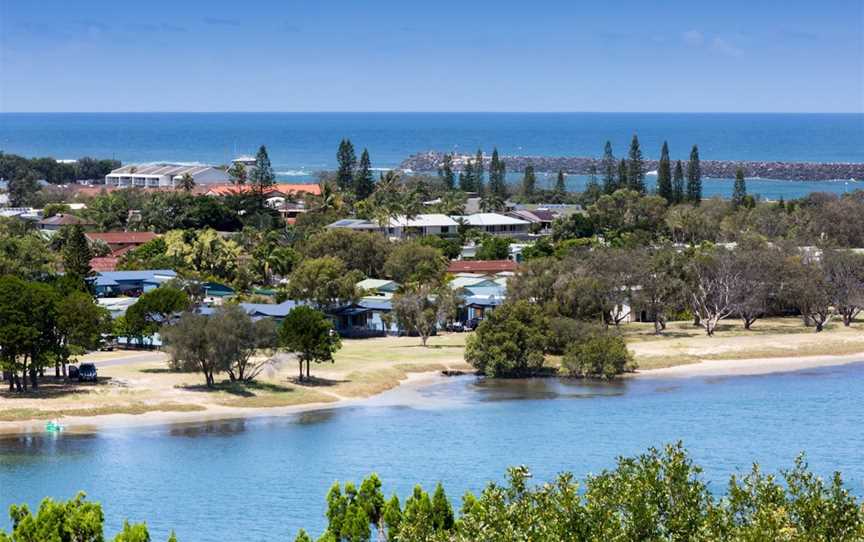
364 184
262 177
635 169
154 309
467 182
28 324
607 164
810 291
660 279
187 183
678 183
309 334
497 176
844 272
714 283
494 248
414 262
237 174
664 176
478 175
80 326
529 183
559 193
445 173
739 191
510 342
362 251
324 281
762 270
22 190
603 355
623 178
422 308
233 338
77 254
347 162
694 177
593 191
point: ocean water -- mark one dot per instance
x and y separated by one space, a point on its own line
301 143
262 479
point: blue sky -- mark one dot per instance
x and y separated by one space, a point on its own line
383 55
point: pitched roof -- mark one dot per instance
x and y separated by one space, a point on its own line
107 263
492 219
64 219
424 220
481 266
123 237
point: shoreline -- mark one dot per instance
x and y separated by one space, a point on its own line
414 381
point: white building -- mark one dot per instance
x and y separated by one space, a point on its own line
496 224
163 175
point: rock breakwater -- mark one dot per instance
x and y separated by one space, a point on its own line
719 169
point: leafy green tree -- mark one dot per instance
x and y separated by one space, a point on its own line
635 168
593 191
309 334
234 339
623 176
479 176
511 341
364 184
497 176
23 190
392 518
154 309
442 511
739 190
28 324
237 174
362 251
664 176
603 355
347 162
529 183
77 254
302 536
608 165
324 281
262 177
694 178
445 173
422 308
559 193
133 533
415 262
494 248
678 183
80 326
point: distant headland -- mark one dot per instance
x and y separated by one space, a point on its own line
719 169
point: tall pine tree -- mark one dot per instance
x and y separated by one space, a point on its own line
694 177
77 255
678 183
529 183
560 190
479 175
262 177
739 191
497 176
622 175
635 169
608 167
592 187
664 175
466 177
446 172
347 162
364 183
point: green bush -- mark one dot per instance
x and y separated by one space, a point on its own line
600 356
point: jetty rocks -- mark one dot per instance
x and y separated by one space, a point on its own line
719 169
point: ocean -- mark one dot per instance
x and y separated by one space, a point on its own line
302 143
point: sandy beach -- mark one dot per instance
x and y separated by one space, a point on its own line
754 366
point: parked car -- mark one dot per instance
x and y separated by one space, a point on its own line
87 373
72 371
472 324
456 326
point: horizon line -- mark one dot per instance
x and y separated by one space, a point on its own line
466 112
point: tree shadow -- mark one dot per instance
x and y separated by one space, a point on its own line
316 382
239 389
161 370
51 387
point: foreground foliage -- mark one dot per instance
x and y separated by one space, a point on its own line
657 496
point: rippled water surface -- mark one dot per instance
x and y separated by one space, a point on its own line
264 478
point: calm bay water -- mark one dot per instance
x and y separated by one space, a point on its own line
262 479
302 143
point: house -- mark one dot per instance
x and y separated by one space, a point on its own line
357 224
104 263
541 219
60 220
116 306
257 311
426 224
368 317
130 283
284 190
484 267
496 224
120 242
163 175
378 286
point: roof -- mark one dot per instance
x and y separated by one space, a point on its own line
108 263
112 278
64 219
282 188
537 215
377 284
483 301
481 266
123 237
355 224
161 169
492 219
423 221
470 282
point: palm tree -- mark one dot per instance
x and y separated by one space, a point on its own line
187 183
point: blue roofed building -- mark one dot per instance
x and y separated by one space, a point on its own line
130 283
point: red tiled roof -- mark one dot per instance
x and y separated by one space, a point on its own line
481 266
228 189
108 263
123 237
122 250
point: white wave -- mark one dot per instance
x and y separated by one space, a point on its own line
293 173
652 173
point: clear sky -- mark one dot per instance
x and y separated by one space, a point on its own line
406 55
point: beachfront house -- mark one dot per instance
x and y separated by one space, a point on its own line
166 176
496 224
130 283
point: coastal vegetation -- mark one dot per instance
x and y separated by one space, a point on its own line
659 495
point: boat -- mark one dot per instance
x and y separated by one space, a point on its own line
53 427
